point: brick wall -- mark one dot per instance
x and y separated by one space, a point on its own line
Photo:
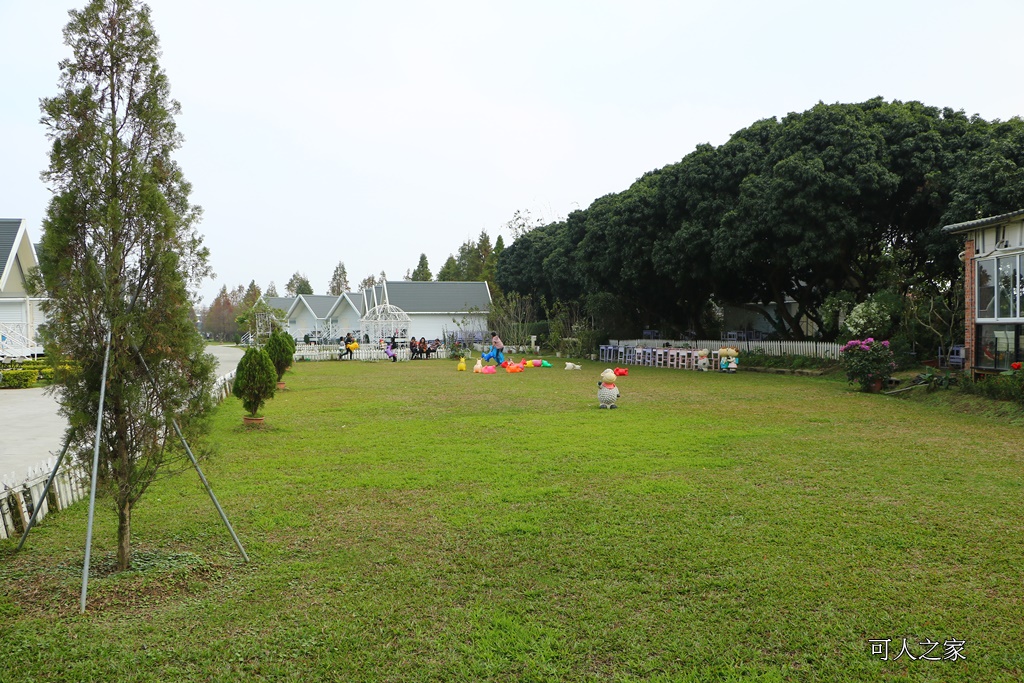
970 309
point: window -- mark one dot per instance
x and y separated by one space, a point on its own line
1007 296
986 289
998 346
1020 287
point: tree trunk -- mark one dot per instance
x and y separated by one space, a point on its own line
124 535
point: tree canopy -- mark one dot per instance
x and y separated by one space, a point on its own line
339 281
298 284
834 203
422 271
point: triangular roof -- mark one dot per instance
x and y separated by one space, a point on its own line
350 298
14 241
318 304
283 303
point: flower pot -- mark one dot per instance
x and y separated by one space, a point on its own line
249 420
875 386
280 385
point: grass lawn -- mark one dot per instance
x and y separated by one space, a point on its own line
410 523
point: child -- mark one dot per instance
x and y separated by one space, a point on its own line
497 351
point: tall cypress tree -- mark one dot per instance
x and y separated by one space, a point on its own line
119 252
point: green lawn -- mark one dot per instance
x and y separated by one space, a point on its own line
408 523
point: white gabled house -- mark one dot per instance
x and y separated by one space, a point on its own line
436 308
20 314
308 316
421 309
344 316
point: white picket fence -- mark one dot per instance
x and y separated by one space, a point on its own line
18 500
367 352
814 349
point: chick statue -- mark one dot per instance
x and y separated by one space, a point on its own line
462 364
607 392
479 367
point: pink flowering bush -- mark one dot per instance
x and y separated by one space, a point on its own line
867 361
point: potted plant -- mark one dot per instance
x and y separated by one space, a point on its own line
281 353
868 362
255 382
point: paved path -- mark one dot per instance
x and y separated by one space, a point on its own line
31 430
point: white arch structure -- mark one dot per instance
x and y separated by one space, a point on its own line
382 320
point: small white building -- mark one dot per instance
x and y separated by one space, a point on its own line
20 314
434 309
308 315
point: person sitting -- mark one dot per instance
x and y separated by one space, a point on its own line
415 351
424 349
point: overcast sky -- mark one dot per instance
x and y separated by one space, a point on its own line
372 132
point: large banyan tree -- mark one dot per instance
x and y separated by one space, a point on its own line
790 215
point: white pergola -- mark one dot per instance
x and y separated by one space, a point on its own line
383 320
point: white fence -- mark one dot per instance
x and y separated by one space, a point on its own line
17 501
366 352
814 349
222 387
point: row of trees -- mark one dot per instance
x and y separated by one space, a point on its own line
799 219
337 285
476 260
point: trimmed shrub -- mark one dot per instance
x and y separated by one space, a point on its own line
280 352
19 379
255 380
758 359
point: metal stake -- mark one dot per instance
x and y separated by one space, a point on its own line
209 490
95 469
195 463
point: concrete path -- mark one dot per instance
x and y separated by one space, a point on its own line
32 431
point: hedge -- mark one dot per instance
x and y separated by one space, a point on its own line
18 379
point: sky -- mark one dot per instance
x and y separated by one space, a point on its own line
319 131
